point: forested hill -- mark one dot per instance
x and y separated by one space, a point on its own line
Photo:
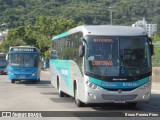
125 12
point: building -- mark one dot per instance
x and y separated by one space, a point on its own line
150 28
3 34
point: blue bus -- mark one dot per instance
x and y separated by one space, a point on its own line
3 63
24 63
102 64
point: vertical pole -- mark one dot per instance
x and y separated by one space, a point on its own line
110 15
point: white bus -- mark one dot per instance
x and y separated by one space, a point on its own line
102 64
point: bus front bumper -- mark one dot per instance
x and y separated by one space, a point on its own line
140 94
22 76
3 70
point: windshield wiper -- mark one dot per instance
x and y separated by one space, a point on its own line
105 69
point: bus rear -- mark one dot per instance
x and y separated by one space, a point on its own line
24 64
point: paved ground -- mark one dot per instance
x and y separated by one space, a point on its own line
156 87
26 96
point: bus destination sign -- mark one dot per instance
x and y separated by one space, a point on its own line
23 49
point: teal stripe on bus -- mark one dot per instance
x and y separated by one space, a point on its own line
119 85
60 66
60 35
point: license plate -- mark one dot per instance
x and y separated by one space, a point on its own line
22 77
119 101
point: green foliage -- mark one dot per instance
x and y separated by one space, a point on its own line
38 35
35 22
156 42
125 12
156 37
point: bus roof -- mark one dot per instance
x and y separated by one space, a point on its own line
104 30
2 54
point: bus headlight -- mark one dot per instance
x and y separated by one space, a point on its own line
10 73
34 73
146 85
92 85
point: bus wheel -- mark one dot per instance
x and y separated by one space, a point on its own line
77 101
34 81
132 105
12 81
61 94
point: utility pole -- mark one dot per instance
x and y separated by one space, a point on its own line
110 15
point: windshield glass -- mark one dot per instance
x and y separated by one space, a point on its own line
117 56
134 56
23 60
3 62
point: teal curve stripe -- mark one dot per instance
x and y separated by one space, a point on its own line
124 85
60 36
59 65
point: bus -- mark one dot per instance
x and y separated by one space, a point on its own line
24 63
3 63
102 64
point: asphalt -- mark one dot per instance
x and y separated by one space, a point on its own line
156 87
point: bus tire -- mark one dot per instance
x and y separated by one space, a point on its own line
77 101
12 81
61 93
132 105
35 81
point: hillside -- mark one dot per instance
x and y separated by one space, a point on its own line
125 12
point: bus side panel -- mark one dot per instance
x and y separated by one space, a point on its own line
54 73
39 71
61 69
68 71
76 75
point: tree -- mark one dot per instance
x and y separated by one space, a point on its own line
38 35
156 42
156 37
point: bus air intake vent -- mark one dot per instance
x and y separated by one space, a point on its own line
119 97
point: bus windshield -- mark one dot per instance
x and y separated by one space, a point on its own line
23 60
3 62
117 56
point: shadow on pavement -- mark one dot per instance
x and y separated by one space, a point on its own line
41 84
112 107
152 106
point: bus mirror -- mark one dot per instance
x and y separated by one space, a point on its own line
81 50
152 49
7 57
83 40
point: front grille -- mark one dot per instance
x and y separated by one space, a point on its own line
22 76
119 97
